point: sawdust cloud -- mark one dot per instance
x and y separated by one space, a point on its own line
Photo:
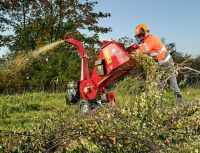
46 48
21 60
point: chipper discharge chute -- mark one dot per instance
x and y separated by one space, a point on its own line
112 63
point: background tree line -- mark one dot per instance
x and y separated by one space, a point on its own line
188 67
34 23
26 25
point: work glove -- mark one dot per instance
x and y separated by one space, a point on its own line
132 48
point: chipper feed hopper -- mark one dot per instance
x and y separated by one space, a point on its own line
112 63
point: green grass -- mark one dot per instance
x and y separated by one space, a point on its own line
24 112
44 113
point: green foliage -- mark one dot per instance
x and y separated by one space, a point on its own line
41 122
53 70
36 23
27 118
135 124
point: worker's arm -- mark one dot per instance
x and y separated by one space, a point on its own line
145 48
132 48
135 48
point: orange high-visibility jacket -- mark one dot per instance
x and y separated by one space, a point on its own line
152 46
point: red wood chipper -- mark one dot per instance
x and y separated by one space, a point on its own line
112 63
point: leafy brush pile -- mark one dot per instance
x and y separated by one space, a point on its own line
135 124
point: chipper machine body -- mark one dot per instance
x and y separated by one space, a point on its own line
112 63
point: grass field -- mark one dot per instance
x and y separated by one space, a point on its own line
30 110
45 112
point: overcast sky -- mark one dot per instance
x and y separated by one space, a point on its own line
177 21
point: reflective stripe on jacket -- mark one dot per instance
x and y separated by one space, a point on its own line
152 46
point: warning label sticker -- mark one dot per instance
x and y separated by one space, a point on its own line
106 53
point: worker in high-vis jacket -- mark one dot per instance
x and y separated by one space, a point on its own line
152 46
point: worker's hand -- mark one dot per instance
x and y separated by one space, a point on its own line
133 48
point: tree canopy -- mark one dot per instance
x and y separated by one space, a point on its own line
30 24
37 22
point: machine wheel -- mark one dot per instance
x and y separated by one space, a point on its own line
84 106
68 98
